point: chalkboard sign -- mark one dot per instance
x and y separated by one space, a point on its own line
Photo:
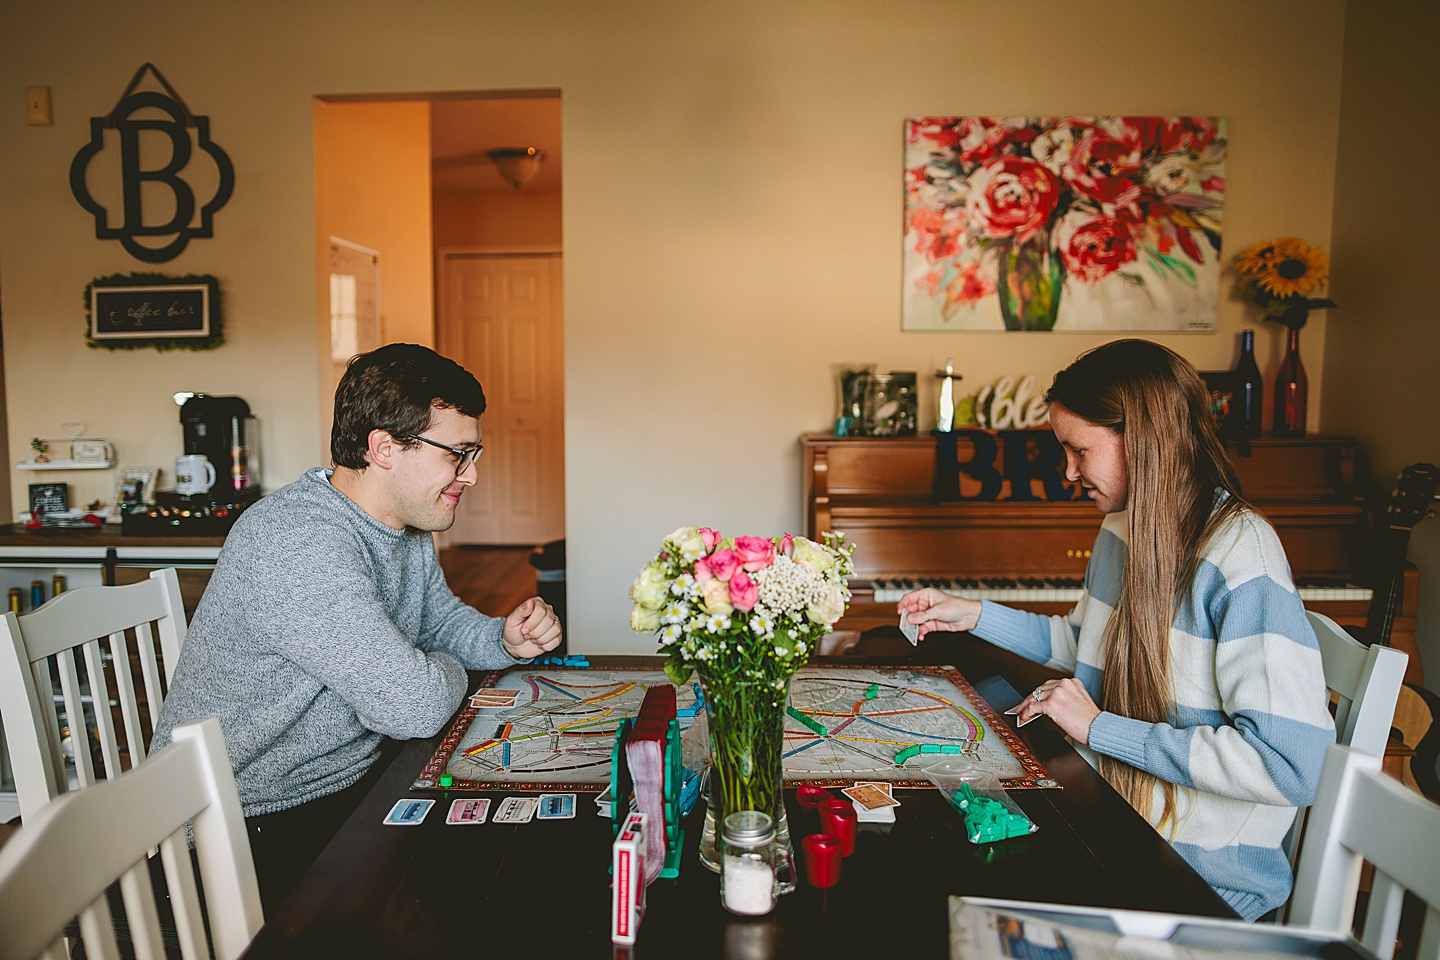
153 310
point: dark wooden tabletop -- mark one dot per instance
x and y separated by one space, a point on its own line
541 889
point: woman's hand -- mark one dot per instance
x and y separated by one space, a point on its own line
1067 702
933 610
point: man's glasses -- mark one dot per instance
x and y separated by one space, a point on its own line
464 456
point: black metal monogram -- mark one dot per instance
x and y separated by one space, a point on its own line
151 119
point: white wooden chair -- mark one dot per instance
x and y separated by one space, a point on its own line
1361 815
53 635
58 865
1366 681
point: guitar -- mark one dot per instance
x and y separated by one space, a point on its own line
1416 711
1412 501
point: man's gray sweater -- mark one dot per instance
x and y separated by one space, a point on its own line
323 630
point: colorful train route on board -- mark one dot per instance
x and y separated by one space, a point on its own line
555 726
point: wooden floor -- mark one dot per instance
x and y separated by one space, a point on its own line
493 580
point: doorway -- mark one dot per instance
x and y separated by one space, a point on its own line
473 269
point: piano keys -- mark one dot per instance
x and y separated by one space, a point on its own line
877 491
1065 589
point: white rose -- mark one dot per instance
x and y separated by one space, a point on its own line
716 596
810 554
644 619
650 586
687 542
827 605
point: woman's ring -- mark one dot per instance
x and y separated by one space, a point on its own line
1036 695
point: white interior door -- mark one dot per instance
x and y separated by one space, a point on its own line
500 318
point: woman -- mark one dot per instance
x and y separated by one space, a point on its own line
1197 687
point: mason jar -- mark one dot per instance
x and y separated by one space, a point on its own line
747 877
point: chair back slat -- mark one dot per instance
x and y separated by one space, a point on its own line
100 701
138 895
149 671
1382 914
79 844
184 897
99 621
75 718
97 929
135 740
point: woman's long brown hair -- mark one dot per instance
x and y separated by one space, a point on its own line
1176 464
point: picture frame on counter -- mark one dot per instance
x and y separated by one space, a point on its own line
134 487
126 312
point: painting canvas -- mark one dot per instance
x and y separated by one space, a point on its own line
1063 223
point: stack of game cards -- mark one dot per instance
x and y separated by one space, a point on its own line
489 699
874 801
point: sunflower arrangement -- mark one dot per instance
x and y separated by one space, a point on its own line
1280 275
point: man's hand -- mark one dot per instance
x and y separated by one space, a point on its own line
531 629
935 610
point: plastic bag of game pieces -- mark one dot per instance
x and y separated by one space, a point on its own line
694 761
977 796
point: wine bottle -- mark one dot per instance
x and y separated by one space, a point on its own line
1249 389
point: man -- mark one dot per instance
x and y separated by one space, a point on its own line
328 623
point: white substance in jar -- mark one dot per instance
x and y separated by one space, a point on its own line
749 886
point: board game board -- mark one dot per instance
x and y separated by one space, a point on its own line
559 732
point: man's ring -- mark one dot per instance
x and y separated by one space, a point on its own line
1036 696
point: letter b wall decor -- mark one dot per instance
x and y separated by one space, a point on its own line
160 154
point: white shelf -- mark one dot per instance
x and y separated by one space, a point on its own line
66 465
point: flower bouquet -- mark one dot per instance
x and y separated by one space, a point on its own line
1280 275
743 613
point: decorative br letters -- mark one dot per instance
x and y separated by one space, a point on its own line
158 181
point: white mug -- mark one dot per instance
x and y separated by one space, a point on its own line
193 474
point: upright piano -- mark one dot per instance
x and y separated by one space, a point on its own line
1031 552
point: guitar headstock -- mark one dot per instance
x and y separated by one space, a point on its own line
1414 496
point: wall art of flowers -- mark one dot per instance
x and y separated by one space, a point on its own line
1063 223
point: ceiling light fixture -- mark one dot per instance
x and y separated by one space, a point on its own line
517 166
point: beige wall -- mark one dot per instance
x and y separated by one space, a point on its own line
731 217
372 188
1385 246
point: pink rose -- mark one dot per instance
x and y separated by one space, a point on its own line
787 544
723 563
755 553
1013 196
711 537
744 592
1094 248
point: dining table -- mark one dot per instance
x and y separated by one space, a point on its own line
543 888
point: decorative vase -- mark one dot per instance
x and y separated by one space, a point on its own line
1291 391
747 733
1029 285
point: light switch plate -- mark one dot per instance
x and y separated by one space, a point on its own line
37 106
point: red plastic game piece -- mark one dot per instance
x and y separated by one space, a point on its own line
822 859
837 817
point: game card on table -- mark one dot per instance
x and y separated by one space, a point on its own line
408 812
468 811
516 810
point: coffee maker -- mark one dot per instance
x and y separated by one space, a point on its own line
223 431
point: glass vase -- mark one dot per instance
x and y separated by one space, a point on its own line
1291 391
1030 281
747 735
